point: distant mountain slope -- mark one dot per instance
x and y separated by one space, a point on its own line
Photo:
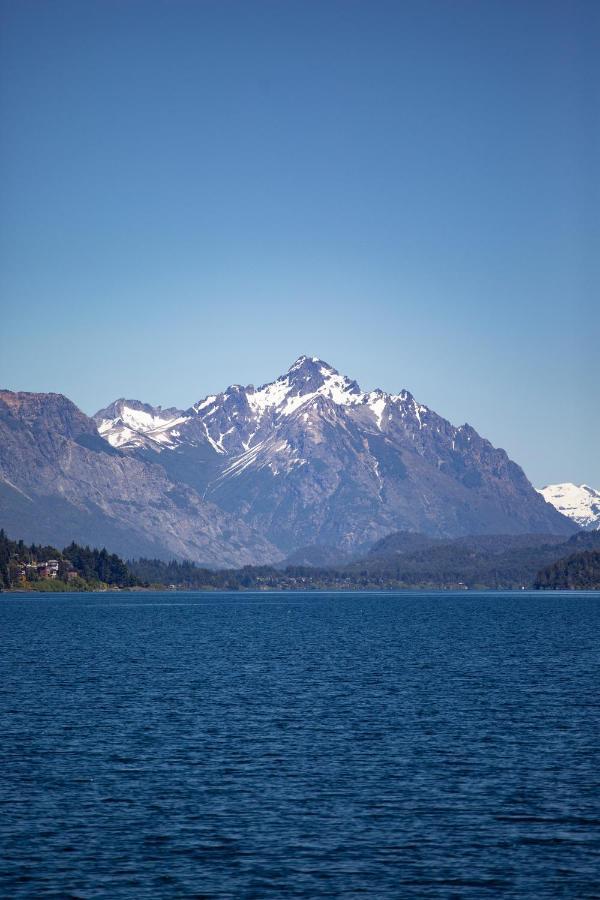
584 540
61 481
315 556
502 561
311 459
400 542
579 502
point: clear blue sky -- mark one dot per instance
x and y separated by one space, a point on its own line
195 193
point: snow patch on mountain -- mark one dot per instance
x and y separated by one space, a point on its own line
579 502
129 423
377 402
207 402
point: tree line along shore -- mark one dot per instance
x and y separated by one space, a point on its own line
485 563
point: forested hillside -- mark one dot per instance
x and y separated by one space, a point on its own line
581 571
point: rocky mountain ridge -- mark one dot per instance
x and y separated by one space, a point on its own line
310 458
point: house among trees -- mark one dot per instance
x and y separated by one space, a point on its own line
32 571
48 569
23 566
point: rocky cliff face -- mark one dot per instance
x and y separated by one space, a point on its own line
311 459
60 480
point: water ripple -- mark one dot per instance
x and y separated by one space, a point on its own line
427 746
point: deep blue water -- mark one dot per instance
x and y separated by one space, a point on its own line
287 745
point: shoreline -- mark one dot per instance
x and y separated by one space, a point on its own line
321 590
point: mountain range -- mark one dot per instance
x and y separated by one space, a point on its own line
253 475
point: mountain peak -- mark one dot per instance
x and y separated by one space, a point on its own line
310 369
311 375
310 363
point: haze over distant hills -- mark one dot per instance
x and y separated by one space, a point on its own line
256 474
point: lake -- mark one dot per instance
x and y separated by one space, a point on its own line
300 745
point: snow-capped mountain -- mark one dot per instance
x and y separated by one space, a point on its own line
579 502
131 424
310 458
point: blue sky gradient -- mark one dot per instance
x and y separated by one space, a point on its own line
195 193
